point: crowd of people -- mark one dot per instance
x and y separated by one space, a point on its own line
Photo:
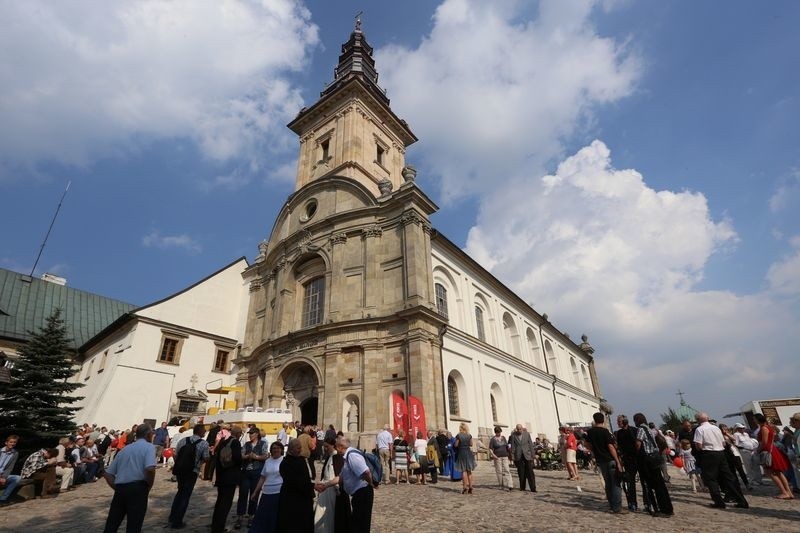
279 488
77 459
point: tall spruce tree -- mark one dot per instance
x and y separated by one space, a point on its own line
671 421
38 398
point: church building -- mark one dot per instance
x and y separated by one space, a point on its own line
355 300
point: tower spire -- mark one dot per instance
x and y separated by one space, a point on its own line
356 61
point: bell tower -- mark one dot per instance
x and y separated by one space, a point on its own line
351 131
342 313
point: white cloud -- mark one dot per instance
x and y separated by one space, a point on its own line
492 92
232 181
165 242
592 226
599 250
787 193
784 275
82 79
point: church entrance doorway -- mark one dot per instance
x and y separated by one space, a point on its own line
308 411
298 384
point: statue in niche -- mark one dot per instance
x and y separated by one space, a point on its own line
352 418
290 401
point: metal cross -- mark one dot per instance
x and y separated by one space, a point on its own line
358 20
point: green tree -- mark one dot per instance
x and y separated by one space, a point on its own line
671 421
38 398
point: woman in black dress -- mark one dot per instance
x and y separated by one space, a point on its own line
296 511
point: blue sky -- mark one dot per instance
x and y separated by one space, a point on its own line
631 168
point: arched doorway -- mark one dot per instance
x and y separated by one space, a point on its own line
308 411
298 387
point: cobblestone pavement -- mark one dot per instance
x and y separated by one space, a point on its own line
558 506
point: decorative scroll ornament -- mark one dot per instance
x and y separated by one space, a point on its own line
304 244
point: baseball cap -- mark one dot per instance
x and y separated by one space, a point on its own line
738 425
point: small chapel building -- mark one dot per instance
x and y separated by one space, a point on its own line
354 299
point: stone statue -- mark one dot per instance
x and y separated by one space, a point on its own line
352 418
290 401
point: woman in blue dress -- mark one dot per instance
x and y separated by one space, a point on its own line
454 474
465 461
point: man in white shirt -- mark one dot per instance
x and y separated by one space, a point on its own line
131 476
64 468
383 442
714 465
357 482
747 446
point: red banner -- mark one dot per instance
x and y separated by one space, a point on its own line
416 420
399 412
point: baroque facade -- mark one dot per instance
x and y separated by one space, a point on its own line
354 296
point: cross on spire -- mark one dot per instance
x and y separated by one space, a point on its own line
193 380
358 20
680 394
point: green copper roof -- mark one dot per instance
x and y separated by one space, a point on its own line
686 411
24 306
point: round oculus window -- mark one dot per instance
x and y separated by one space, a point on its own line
309 210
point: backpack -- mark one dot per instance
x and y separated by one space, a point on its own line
374 465
186 460
226 454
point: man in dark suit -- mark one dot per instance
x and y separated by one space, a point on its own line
522 453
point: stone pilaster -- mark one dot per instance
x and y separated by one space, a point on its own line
415 251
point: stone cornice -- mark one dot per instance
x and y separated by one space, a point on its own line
353 89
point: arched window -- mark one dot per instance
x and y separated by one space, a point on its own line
313 301
452 396
479 323
497 404
441 299
533 347
587 383
575 379
552 360
510 333
310 276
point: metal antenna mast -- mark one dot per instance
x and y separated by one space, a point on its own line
50 228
